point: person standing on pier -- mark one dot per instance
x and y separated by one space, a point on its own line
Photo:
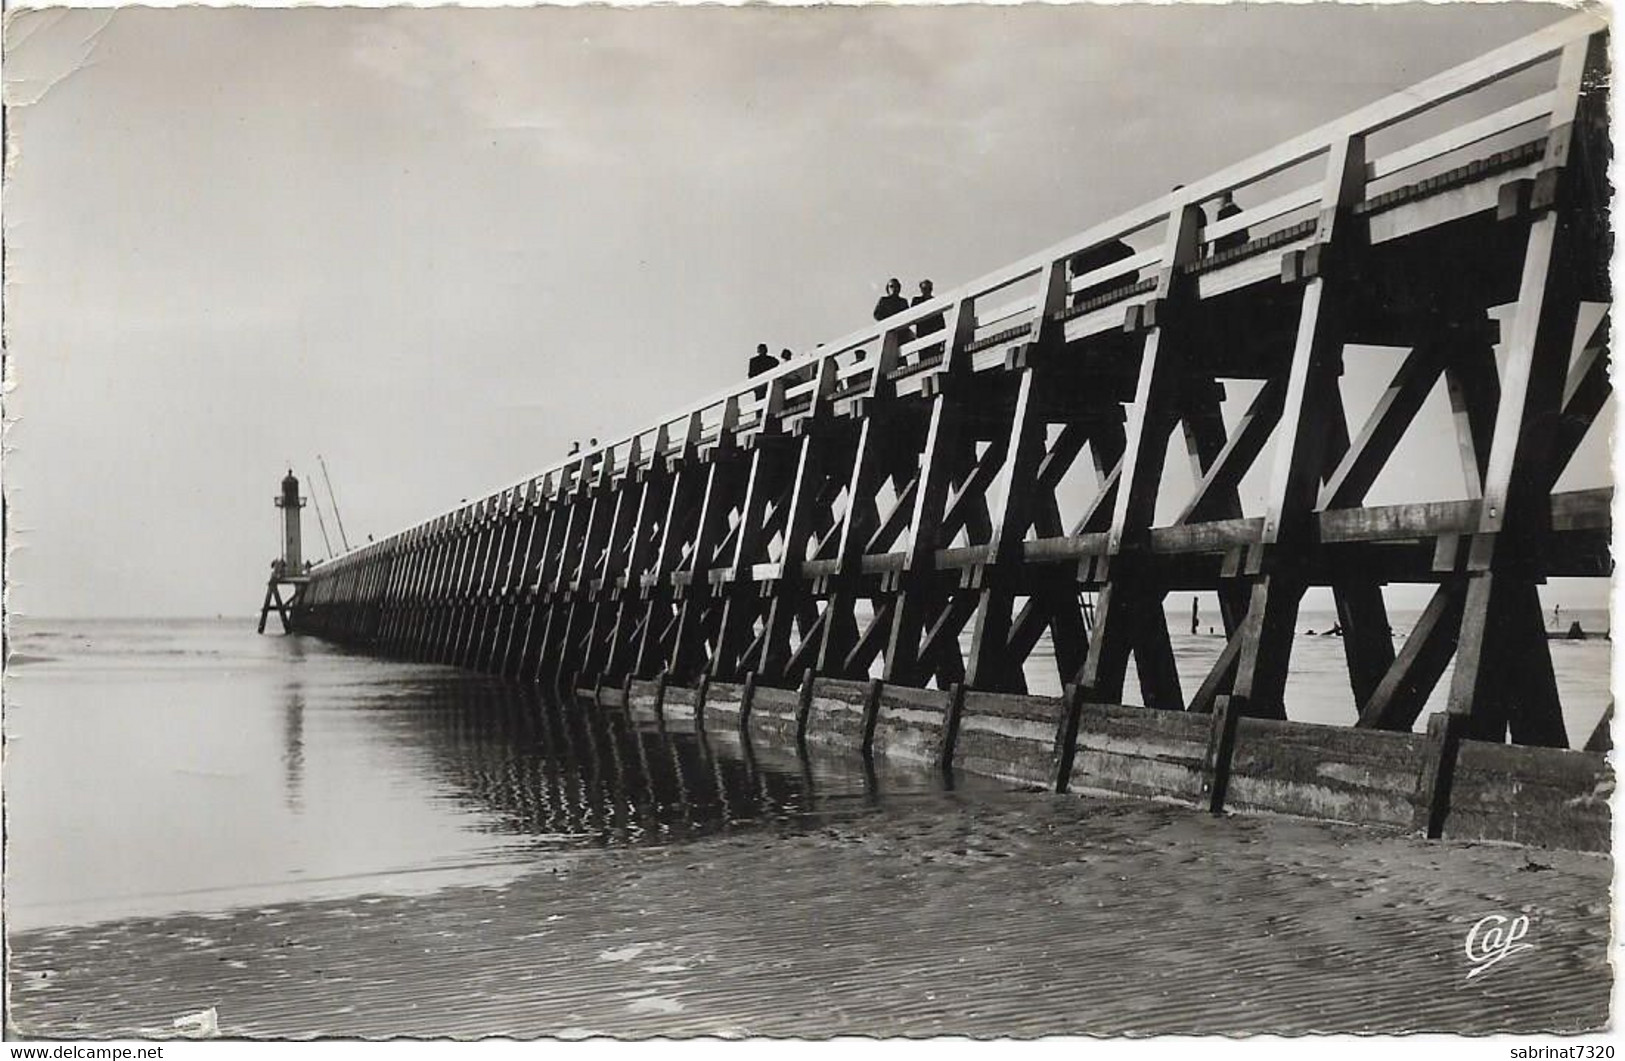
1098 257
761 361
1230 240
928 324
932 323
892 302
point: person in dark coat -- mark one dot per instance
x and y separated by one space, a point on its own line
933 323
1098 257
892 302
1230 240
762 361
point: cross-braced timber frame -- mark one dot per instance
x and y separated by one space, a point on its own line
890 506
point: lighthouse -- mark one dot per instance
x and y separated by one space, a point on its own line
289 568
290 503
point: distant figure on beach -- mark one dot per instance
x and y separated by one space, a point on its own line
1230 240
1195 617
932 323
892 302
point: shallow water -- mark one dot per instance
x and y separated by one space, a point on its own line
160 767
154 768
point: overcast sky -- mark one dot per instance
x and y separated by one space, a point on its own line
437 245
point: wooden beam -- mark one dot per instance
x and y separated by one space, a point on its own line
1216 494
1397 701
1513 518
1474 384
1393 414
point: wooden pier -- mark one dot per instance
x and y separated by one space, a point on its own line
865 546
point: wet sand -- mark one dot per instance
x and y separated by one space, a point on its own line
1021 914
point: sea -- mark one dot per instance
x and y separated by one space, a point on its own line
157 767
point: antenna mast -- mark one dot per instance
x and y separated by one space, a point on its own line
337 518
316 502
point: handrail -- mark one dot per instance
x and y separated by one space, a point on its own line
565 475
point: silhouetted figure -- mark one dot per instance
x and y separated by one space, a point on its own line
575 449
1195 628
892 302
785 355
1230 240
932 323
1098 257
761 361
592 443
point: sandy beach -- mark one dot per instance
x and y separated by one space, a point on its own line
1022 915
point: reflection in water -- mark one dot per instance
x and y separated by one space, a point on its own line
604 775
293 750
310 772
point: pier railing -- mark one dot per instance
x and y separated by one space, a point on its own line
907 502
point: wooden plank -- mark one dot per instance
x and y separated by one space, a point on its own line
1542 797
1464 135
1324 772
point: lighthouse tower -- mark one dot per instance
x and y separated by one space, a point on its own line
290 503
289 568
